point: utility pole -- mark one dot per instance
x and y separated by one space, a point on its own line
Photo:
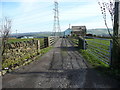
56 26
16 34
69 26
116 34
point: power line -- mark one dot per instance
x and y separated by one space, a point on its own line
56 26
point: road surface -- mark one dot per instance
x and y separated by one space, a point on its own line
61 67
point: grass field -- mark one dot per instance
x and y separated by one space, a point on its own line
99 45
106 42
99 48
20 40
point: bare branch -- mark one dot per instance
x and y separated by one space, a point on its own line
110 7
5 32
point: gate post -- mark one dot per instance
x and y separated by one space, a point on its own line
81 44
111 51
46 42
116 37
38 47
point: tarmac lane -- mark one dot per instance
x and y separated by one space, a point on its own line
61 67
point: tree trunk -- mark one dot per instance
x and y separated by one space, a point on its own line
116 47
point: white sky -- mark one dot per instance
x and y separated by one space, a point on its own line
37 15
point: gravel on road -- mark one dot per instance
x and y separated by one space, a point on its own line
61 67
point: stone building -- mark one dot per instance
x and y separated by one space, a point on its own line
79 30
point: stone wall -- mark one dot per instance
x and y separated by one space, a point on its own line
19 52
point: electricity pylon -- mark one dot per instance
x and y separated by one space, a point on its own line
56 26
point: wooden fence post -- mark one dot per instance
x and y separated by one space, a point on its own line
38 47
46 42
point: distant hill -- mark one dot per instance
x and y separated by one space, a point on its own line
99 31
34 34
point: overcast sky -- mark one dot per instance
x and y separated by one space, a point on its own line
38 15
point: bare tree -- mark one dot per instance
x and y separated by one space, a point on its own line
5 31
110 7
113 8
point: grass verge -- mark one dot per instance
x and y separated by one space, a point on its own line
100 66
45 50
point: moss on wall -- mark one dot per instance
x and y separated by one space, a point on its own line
18 52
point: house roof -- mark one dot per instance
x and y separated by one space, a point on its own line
68 29
78 28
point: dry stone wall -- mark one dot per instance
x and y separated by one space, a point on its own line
19 52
